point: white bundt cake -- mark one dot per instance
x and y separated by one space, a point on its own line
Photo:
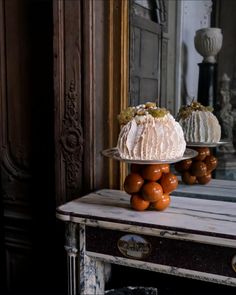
150 133
199 124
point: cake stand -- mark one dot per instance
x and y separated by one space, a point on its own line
114 154
150 182
198 170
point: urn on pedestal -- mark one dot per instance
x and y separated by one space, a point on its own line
208 42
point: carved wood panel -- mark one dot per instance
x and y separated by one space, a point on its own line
26 138
69 139
94 98
15 130
15 102
88 72
69 131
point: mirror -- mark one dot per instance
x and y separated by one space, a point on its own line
202 14
147 19
164 61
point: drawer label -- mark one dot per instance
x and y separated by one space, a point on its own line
134 246
234 263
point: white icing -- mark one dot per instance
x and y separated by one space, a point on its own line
201 126
149 138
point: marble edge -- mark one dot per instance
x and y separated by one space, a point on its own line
62 215
70 216
121 225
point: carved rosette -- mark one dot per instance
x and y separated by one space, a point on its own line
72 138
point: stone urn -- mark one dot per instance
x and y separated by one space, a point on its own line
208 42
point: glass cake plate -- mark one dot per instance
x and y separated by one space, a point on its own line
206 144
114 154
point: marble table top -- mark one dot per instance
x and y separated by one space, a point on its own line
185 216
216 189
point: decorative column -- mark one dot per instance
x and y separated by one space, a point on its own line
92 271
208 42
86 275
72 258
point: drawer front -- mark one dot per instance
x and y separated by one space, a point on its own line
171 252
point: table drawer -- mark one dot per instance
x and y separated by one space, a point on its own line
163 251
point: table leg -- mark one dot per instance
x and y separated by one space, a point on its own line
72 258
89 272
92 271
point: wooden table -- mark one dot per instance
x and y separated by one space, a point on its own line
194 238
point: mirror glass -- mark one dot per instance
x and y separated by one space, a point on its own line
147 19
164 62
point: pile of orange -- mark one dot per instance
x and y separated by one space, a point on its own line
150 186
198 169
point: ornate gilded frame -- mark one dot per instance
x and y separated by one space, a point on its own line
118 82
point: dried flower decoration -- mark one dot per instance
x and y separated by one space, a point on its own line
186 110
141 110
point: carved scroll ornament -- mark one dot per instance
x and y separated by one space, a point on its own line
72 138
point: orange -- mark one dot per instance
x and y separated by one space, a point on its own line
133 183
183 165
152 191
188 178
152 172
165 168
204 179
169 182
198 168
162 203
202 153
138 203
211 163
